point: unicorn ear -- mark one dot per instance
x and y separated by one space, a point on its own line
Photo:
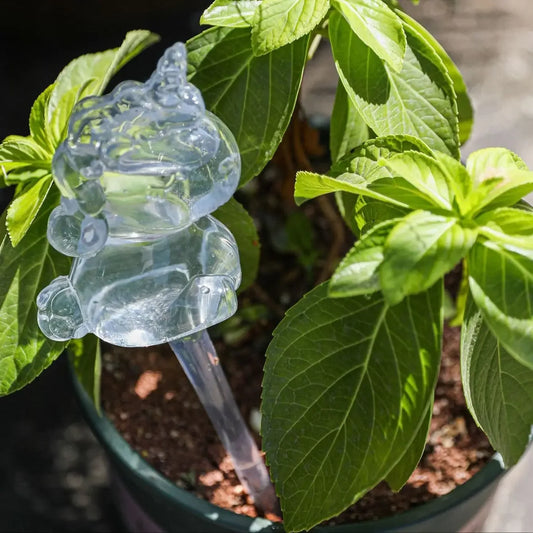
59 314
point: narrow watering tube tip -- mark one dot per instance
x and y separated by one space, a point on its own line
197 356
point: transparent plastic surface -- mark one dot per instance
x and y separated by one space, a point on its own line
140 171
145 160
198 358
142 293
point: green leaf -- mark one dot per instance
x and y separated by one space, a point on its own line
430 177
419 100
347 205
524 206
405 192
89 75
505 190
498 389
347 384
509 220
21 152
458 179
362 213
364 160
420 250
378 27
38 125
230 13
240 223
510 228
253 96
22 175
347 128
297 236
501 178
501 283
492 162
280 22
358 271
371 212
85 357
310 185
24 271
464 106
24 208
403 469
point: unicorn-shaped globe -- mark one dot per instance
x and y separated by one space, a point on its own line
140 171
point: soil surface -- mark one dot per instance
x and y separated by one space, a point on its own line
149 399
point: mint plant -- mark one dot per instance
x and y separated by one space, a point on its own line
351 371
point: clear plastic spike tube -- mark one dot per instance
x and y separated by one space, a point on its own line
140 172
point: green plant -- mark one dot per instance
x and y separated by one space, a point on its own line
350 373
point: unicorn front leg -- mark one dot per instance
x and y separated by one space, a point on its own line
59 314
74 233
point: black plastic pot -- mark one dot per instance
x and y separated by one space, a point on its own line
150 502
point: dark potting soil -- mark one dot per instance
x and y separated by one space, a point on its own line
149 399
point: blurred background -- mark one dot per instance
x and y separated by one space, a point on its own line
53 476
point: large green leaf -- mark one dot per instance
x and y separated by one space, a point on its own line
254 96
419 250
347 384
280 22
358 271
498 389
24 208
347 128
377 26
89 75
24 271
501 283
419 100
464 106
230 13
85 357
403 469
240 223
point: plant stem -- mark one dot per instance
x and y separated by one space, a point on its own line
199 360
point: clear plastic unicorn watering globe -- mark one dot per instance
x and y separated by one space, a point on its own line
140 171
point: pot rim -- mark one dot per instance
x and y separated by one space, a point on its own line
124 456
